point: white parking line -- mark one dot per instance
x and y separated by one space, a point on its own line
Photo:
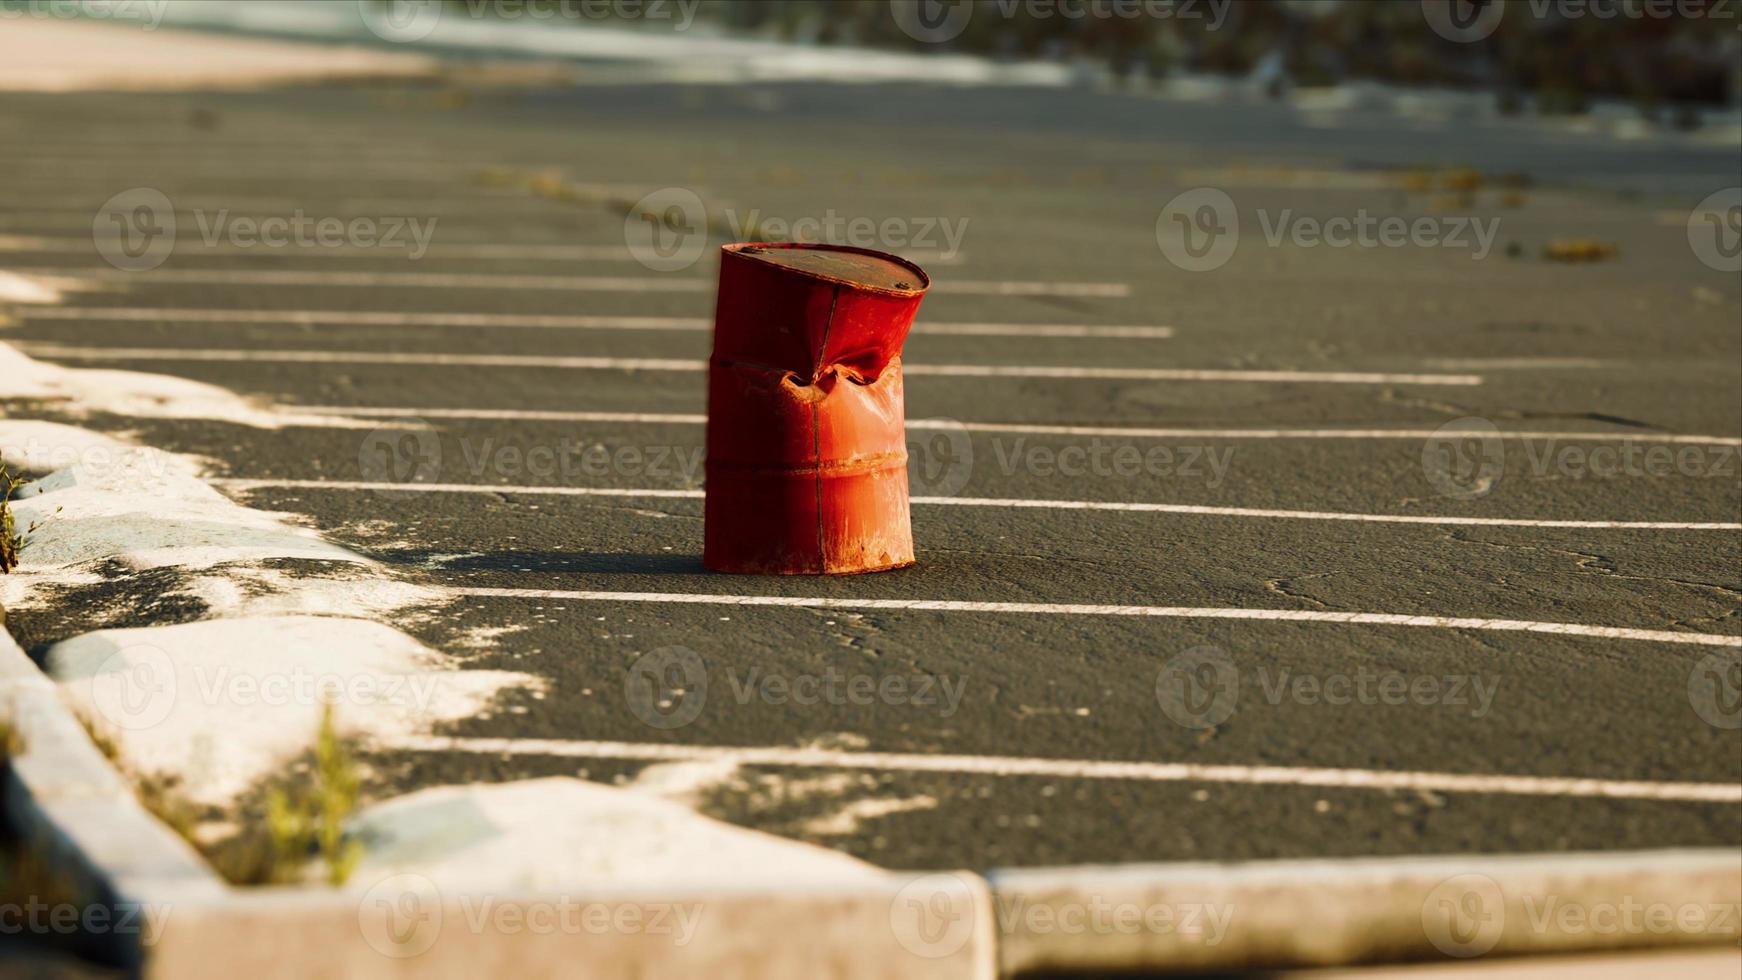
588 253
351 318
675 364
1021 428
1154 772
1021 504
618 284
1077 609
396 171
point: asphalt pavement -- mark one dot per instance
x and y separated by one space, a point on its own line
1219 587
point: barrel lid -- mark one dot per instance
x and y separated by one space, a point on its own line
840 263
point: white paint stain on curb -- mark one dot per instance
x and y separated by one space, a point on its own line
220 705
556 833
134 394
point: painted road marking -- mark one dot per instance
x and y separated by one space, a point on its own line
1077 609
350 318
241 484
1157 772
53 351
85 246
618 284
1021 428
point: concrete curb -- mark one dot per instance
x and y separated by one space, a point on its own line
1295 914
403 927
65 799
174 917
185 922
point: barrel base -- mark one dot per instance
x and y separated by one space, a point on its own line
841 521
778 569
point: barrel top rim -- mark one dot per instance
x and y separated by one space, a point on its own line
912 280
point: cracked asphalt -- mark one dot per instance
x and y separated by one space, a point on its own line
1602 365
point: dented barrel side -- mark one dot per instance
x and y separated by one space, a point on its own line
807 457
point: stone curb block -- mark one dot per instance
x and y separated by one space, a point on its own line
66 800
406 928
1296 914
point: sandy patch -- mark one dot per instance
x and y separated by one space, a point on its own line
558 833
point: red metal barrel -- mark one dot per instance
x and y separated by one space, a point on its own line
807 450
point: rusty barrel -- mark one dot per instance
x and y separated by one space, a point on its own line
807 451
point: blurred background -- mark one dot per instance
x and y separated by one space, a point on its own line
1667 59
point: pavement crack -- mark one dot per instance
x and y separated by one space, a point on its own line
1018 554
852 630
1285 587
1597 564
645 511
1391 395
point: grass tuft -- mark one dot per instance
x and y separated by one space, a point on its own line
11 742
11 542
305 821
